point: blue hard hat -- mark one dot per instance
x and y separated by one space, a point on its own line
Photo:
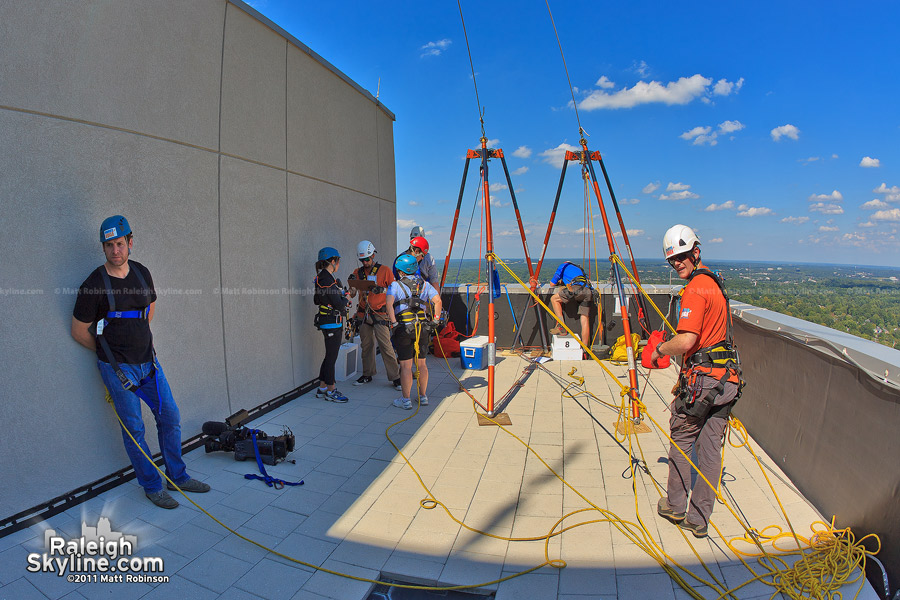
328 253
114 227
406 263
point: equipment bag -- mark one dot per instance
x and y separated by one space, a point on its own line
656 338
618 352
446 343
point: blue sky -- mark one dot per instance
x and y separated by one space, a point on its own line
772 128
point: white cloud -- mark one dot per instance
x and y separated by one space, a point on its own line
495 143
496 187
834 196
434 48
806 161
497 202
652 187
884 189
870 163
701 134
834 156
626 201
641 68
556 156
887 215
508 232
682 195
743 207
724 87
413 203
522 152
825 228
875 204
715 241
724 206
826 208
682 91
754 211
406 223
788 131
677 187
605 83
795 220
868 224
520 171
630 232
730 126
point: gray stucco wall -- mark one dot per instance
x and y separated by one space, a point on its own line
216 135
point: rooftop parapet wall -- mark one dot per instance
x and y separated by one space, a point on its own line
215 133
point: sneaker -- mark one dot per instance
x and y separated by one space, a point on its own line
403 403
320 392
558 330
667 512
335 396
423 400
162 499
362 380
699 531
397 385
191 485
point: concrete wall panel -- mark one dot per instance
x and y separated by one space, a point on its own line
332 132
51 212
386 176
254 283
253 102
113 107
149 66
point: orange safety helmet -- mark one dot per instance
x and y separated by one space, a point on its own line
420 243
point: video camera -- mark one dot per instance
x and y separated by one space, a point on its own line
231 437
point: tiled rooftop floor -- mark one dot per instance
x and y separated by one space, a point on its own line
359 510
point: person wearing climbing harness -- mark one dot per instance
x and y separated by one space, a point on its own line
333 304
708 386
112 316
413 307
372 316
573 285
418 247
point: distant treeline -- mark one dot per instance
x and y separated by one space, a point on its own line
860 300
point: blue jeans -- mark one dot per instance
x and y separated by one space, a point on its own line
168 422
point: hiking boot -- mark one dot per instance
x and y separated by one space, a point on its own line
397 385
699 531
667 512
558 330
320 392
191 485
403 403
423 400
162 499
363 380
335 396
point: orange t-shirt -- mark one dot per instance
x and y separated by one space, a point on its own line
704 312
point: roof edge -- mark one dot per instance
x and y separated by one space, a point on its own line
303 47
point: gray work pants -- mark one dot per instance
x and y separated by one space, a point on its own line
367 335
706 436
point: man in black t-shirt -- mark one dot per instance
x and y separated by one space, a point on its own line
112 316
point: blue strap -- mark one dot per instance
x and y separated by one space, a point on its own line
270 481
127 314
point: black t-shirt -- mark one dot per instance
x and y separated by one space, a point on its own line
129 339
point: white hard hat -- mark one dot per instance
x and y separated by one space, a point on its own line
679 239
417 231
365 249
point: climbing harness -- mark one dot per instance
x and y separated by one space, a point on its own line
691 397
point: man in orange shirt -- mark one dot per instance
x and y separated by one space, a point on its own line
372 315
708 385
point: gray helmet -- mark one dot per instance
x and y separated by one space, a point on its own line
417 231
